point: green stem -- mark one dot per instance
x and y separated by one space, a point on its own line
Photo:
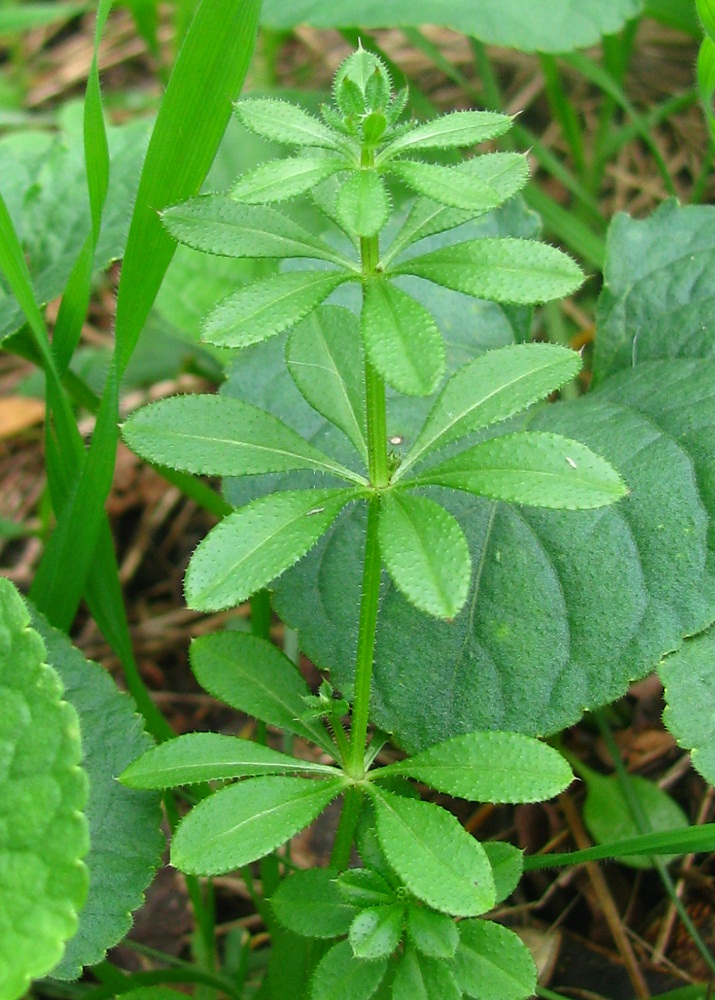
374 385
340 856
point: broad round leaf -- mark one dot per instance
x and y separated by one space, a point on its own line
43 791
438 861
402 339
342 976
243 822
493 963
279 180
362 206
310 904
425 552
251 547
490 767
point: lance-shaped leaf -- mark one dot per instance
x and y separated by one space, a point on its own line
244 822
505 173
215 223
268 307
222 436
326 361
489 389
447 185
402 339
493 963
425 552
286 123
309 903
502 270
376 932
43 791
461 128
342 976
419 977
197 757
438 861
252 546
362 206
538 469
489 767
687 677
279 180
251 675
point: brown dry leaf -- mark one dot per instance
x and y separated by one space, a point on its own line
18 413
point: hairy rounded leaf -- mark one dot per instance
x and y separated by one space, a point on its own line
687 677
252 546
493 963
435 857
342 976
503 270
490 767
362 206
268 307
425 552
279 180
286 123
243 822
432 933
402 339
43 791
310 904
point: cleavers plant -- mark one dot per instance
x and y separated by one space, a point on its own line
387 926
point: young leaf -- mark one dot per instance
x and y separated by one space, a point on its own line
365 887
425 552
690 700
342 976
255 544
197 757
491 388
376 932
221 436
243 822
309 903
279 180
286 123
461 128
533 468
43 790
250 674
433 934
438 861
215 223
489 767
447 185
493 963
325 358
419 977
402 339
501 270
268 307
362 206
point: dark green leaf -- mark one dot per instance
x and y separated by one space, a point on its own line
687 677
309 904
365 887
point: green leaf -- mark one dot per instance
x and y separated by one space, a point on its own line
433 934
493 963
425 552
505 173
221 436
325 358
491 388
460 128
309 904
279 180
489 767
542 470
197 757
447 185
435 857
419 977
365 887
376 932
556 28
656 300
251 675
362 206
14 19
243 822
286 123
401 338
255 544
503 270
608 816
268 307
691 840
507 866
687 677
215 223
342 976
126 840
43 791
